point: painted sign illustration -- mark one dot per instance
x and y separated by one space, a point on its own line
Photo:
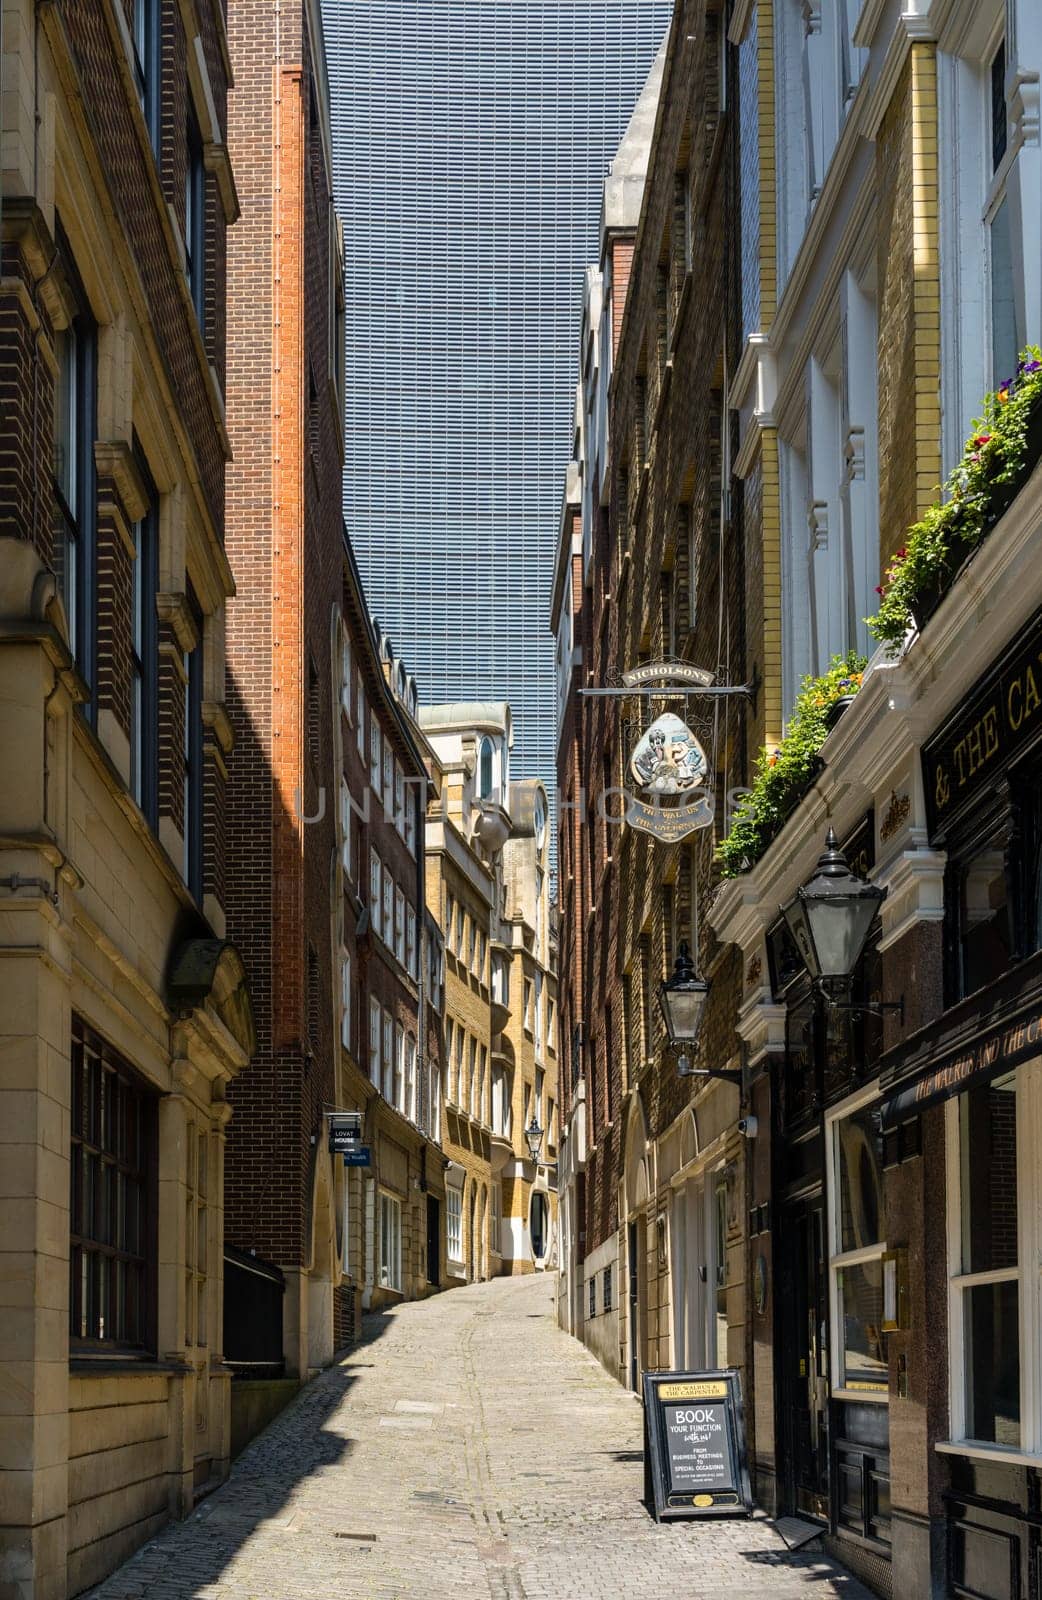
668 758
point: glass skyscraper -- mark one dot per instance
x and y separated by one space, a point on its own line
470 142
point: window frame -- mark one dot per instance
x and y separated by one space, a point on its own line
454 1223
144 657
194 778
77 578
146 38
389 1264
1028 1078
195 215
144 1175
837 1258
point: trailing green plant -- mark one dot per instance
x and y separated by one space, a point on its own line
783 775
993 466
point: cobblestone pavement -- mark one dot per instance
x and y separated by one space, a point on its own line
469 1448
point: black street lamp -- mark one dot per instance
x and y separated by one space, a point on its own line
830 919
534 1136
682 999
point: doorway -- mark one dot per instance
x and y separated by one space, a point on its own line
433 1242
538 1224
636 1282
803 1358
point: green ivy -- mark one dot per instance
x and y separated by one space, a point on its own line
994 465
783 775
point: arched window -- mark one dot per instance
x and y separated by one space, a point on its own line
486 752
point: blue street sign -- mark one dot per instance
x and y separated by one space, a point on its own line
358 1157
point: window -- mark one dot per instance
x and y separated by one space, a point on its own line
472 948
454 1223
470 1103
606 1290
410 949
388 1062
482 1109
410 821
460 1045
1003 243
593 1296
360 717
197 1182
994 1331
411 1086
388 910
718 1313
399 925
388 778
144 663
375 891
374 1042
346 675
855 1153
539 1030
485 766
345 829
147 63
496 1219
390 1243
112 1200
399 798
482 953
312 996
375 752
551 1137
345 999
985 945
193 756
314 723
528 1005
450 1028
74 427
399 1067
195 218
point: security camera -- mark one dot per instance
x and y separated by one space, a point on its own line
749 1126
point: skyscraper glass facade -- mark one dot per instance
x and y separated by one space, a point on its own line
470 142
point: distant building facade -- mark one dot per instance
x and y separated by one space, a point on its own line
124 1010
457 408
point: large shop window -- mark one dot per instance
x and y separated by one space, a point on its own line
856 1247
994 1307
390 1243
112 1200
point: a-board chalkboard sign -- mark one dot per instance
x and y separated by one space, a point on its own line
694 1445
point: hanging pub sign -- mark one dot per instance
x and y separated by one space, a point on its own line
667 672
694 1445
668 760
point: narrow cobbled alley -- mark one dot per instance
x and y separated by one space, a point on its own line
466 1447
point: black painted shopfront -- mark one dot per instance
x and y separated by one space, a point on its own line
980 1063
831 1379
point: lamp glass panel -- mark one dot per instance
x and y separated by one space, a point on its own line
684 1011
839 929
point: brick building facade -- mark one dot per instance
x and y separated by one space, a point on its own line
123 1008
655 566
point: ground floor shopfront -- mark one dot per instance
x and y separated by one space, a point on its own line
894 1394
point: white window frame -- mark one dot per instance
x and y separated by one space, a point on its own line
388 779
375 757
411 1085
360 720
399 797
389 1262
410 951
1029 1245
346 860
399 1068
376 892
375 1036
838 1258
399 925
454 1223
388 909
346 675
387 1059
345 998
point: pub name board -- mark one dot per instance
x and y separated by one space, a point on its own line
1001 718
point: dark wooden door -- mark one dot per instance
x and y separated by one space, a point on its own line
804 1359
433 1241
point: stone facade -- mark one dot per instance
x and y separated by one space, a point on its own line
124 1012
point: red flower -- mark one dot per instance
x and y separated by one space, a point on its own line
879 588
